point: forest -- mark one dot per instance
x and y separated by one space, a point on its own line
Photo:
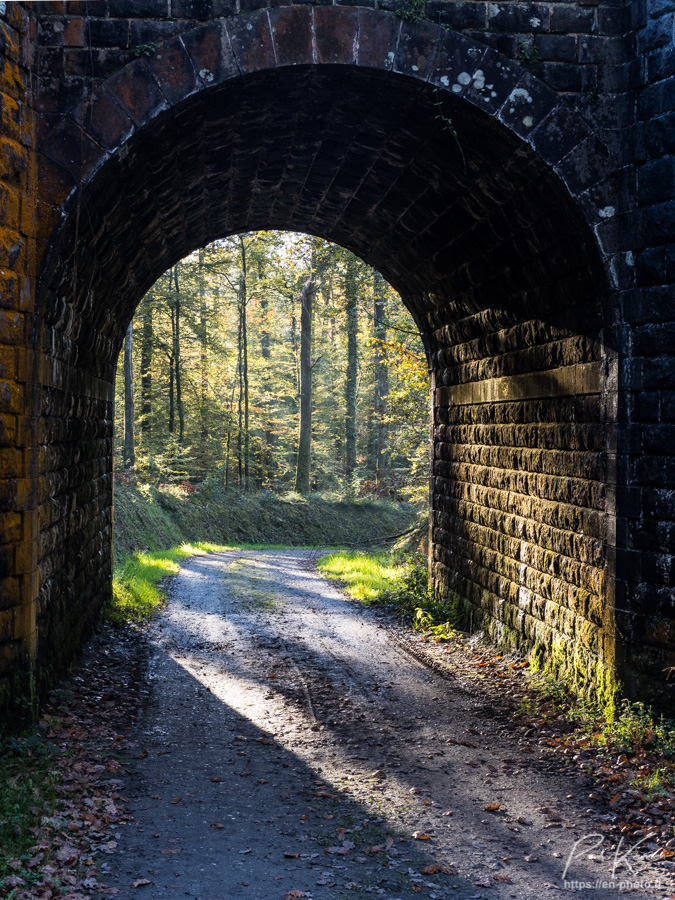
274 361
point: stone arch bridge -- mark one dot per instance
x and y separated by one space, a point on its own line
508 168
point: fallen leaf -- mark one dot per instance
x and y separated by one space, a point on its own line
493 807
421 836
262 781
499 877
295 895
447 813
292 855
389 843
436 869
216 778
216 825
140 882
177 800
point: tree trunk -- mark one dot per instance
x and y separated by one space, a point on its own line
268 381
352 370
129 452
176 361
147 336
302 472
203 358
244 345
381 376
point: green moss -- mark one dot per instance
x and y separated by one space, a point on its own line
537 657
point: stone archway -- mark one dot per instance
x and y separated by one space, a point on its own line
470 185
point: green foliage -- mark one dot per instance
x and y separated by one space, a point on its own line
655 785
145 50
635 728
28 784
137 592
412 10
195 332
366 576
152 518
397 582
630 727
528 53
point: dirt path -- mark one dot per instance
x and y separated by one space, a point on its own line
290 743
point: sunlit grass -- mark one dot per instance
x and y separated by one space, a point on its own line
137 580
365 576
137 591
396 582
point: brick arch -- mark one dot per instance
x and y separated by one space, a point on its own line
202 58
467 182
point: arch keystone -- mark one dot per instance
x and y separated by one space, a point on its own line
251 40
292 35
336 34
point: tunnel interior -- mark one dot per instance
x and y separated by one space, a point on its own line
488 251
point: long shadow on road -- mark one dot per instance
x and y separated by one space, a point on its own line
289 745
222 810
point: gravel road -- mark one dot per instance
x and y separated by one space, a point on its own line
293 743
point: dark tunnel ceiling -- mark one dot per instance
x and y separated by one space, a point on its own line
443 200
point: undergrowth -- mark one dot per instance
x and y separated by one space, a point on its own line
28 782
398 582
634 728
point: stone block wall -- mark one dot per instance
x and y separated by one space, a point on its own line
18 516
646 587
520 491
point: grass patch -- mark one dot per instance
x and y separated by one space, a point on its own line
634 729
137 580
28 792
152 518
137 591
399 583
365 576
